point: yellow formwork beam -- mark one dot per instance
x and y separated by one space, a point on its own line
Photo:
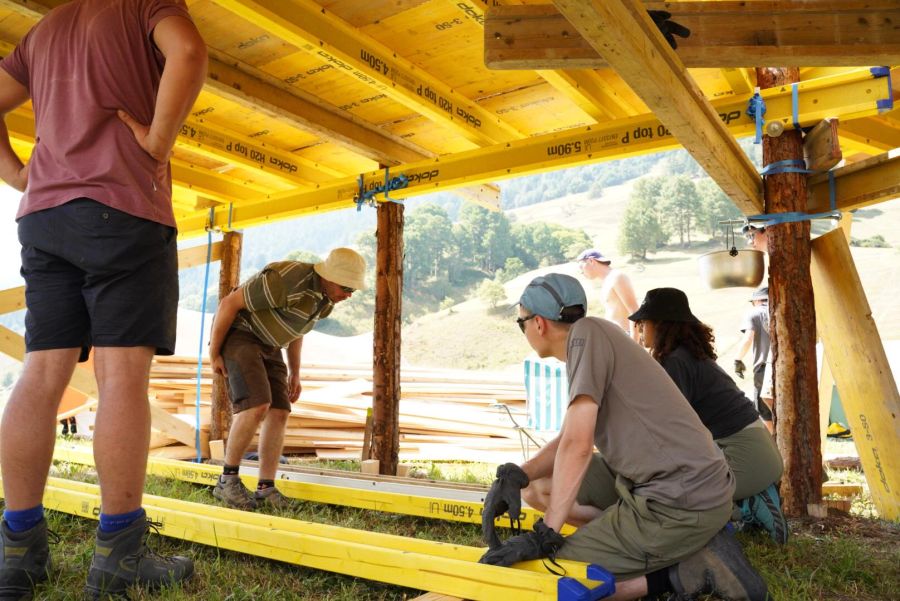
856 185
852 94
860 368
425 565
390 502
313 29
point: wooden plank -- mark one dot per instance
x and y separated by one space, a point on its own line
12 299
822 146
723 34
860 367
637 51
196 255
857 185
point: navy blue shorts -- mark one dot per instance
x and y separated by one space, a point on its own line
96 276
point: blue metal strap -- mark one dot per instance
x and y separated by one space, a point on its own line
756 109
770 219
367 197
884 104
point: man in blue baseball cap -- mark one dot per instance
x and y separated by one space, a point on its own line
616 291
651 506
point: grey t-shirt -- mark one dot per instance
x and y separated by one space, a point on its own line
646 431
757 319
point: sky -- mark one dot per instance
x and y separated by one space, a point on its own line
9 238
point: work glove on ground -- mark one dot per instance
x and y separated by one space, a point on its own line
542 542
739 368
667 27
505 495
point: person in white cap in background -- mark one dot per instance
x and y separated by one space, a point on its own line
616 291
271 311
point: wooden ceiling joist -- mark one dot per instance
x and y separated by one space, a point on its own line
723 34
312 29
633 46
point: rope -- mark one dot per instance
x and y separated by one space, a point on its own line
200 349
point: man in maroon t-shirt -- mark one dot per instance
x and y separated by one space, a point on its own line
111 82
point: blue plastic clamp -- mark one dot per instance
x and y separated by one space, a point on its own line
569 589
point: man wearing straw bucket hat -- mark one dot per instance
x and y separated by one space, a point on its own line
271 311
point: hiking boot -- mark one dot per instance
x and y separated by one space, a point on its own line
122 559
233 492
272 497
720 568
764 511
24 561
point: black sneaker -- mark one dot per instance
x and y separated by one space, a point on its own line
24 561
720 568
122 559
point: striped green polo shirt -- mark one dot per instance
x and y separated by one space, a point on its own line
284 301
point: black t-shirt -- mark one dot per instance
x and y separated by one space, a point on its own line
721 405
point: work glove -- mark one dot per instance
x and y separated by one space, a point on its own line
739 368
668 28
505 495
542 542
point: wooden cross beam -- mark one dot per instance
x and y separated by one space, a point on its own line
623 32
723 34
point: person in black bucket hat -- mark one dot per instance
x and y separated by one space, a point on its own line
683 345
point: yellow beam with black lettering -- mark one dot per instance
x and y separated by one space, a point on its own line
425 505
313 29
419 564
852 94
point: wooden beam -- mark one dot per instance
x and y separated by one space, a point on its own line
386 335
229 279
12 299
857 185
726 33
875 132
860 367
822 146
313 29
196 255
632 44
792 319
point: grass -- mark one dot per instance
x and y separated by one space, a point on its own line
840 558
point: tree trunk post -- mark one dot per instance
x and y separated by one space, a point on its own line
792 319
229 278
386 343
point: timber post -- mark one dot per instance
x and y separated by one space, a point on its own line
792 318
386 338
229 278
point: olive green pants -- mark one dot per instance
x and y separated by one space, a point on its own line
635 535
753 458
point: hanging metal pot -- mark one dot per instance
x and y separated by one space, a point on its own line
732 268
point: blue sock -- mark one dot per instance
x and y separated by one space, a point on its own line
26 519
119 521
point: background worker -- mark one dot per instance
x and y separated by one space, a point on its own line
616 291
684 346
111 82
651 505
271 311
755 329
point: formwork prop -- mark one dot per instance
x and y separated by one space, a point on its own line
860 368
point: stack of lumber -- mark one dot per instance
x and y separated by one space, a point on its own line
444 414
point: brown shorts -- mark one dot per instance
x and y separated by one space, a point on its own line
257 374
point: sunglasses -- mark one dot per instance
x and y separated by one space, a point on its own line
521 321
348 289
